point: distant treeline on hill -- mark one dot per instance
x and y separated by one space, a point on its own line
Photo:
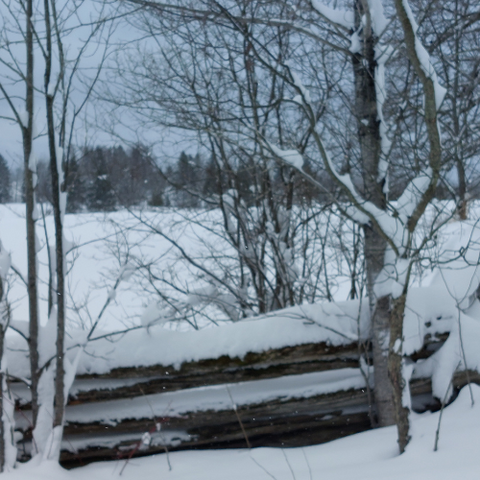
103 179
107 178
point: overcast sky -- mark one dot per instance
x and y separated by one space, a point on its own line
88 129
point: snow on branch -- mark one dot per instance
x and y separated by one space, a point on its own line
361 210
378 19
424 57
365 212
305 95
342 18
291 157
382 53
5 262
412 195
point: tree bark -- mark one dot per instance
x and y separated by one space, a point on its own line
395 369
2 426
368 128
27 134
59 405
427 77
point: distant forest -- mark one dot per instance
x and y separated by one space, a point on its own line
103 179
107 178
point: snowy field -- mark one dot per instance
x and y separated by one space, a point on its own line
103 244
371 455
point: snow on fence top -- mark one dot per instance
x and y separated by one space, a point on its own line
332 323
429 311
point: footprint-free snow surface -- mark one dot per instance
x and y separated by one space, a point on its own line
371 456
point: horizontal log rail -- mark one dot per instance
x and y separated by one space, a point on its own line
281 421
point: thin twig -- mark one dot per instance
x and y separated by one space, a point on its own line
288 463
308 463
263 468
234 406
444 401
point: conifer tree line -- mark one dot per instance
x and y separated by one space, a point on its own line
103 179
107 178
5 181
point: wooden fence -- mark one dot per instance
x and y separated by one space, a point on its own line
292 396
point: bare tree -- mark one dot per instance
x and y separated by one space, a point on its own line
362 35
60 130
22 72
456 45
7 445
227 97
44 42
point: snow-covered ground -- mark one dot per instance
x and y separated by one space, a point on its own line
104 243
366 456
446 302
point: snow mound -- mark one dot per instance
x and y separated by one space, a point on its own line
366 456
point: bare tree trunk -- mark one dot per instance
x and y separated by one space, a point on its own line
27 133
426 74
2 426
7 449
395 368
364 68
462 205
462 183
59 404
57 213
7 456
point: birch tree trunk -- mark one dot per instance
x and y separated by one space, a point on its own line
55 164
368 128
30 180
2 427
8 451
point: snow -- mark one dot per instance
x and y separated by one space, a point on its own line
370 455
424 58
460 274
340 17
382 53
379 21
446 303
412 194
51 89
100 253
391 280
355 44
292 157
170 437
218 397
305 95
32 162
5 262
23 116
161 346
460 352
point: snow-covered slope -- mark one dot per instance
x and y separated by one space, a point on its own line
367 456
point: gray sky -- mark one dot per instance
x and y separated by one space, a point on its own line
85 132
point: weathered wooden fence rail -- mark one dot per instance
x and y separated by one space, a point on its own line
291 396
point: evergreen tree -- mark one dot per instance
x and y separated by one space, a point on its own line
101 196
44 182
5 181
187 181
213 180
76 186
